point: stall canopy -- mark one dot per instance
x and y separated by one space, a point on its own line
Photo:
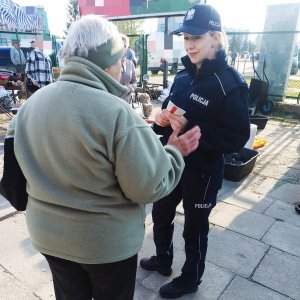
14 16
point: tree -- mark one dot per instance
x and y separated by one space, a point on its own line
72 13
233 43
258 42
129 27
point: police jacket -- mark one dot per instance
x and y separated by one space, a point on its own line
216 98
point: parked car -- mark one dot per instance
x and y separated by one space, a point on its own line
295 62
157 53
295 66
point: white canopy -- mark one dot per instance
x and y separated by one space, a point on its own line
12 15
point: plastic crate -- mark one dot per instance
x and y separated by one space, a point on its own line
239 165
259 120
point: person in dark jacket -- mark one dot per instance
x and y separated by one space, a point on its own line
214 96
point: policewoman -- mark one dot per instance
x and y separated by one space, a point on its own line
214 96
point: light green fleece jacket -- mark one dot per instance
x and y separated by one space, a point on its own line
91 163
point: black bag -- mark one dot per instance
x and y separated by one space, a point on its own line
13 182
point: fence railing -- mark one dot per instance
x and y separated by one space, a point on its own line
248 52
275 53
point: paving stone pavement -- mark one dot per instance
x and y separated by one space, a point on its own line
254 244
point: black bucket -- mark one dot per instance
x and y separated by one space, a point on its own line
259 120
240 164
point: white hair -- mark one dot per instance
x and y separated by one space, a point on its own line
87 33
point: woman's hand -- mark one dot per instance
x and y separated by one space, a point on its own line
187 142
161 119
178 123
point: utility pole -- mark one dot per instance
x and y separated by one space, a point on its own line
168 42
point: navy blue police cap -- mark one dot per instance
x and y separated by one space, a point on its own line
200 19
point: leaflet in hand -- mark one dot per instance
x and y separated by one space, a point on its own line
175 109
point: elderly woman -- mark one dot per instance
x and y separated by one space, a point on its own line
91 164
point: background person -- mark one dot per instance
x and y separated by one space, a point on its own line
38 67
215 97
88 187
129 54
17 57
128 76
32 46
233 58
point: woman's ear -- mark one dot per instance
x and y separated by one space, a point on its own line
216 40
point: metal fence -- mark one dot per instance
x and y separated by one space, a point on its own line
253 54
271 56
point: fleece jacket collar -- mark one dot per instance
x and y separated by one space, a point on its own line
81 70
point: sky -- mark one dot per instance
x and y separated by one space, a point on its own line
245 14
242 14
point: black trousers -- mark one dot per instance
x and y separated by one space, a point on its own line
198 193
75 281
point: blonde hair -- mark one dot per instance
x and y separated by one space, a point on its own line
86 34
223 44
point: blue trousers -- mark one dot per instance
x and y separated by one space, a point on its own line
199 194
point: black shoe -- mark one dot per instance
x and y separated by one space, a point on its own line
297 207
177 288
151 264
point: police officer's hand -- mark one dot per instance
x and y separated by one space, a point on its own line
178 123
161 119
187 142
